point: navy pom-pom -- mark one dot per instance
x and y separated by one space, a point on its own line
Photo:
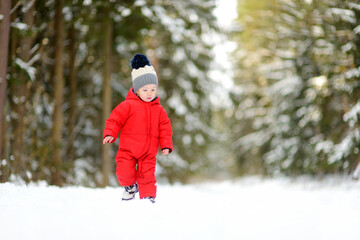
139 60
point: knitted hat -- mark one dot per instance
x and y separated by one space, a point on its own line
143 73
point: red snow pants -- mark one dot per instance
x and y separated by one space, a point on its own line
142 171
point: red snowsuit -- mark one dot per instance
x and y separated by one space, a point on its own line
143 126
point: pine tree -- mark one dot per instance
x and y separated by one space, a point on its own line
303 104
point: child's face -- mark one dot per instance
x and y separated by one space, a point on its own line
147 93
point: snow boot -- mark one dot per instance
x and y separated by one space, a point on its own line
129 192
152 199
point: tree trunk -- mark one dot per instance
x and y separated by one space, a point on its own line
5 7
106 97
72 97
56 178
22 96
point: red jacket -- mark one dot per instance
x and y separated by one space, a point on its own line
143 126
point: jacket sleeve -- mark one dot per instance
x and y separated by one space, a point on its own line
116 120
165 131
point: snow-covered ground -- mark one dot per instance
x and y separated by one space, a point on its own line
247 208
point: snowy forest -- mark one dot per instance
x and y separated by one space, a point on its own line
292 107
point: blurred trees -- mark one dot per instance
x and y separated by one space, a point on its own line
296 68
69 64
298 72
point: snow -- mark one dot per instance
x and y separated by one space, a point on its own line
19 26
27 68
247 208
352 115
344 14
354 6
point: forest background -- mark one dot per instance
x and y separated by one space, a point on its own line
292 106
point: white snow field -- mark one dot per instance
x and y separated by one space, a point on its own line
247 208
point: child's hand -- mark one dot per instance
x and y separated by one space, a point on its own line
165 151
108 139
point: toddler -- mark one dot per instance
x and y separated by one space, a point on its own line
143 125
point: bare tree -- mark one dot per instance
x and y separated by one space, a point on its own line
106 97
56 178
5 7
72 94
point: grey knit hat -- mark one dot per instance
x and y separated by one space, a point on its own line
143 73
